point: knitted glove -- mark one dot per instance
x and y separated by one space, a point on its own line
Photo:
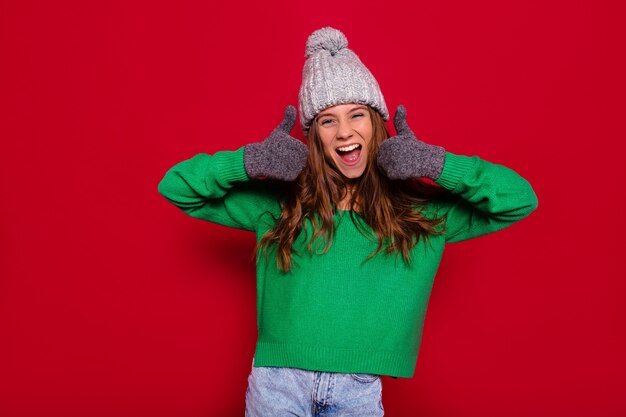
279 156
404 156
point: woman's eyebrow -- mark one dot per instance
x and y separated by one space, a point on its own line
349 111
324 114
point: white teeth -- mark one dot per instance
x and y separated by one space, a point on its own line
348 148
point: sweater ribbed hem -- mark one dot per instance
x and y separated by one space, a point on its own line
325 359
230 167
454 169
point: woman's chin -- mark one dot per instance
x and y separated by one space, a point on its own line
352 173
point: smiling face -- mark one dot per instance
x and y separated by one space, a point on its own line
345 131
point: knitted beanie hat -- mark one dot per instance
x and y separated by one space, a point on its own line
333 74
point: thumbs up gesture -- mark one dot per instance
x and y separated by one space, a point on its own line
279 156
404 156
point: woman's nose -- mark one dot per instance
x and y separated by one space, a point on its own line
344 130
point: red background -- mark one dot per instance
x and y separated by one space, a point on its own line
112 302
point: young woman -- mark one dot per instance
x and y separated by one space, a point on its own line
349 235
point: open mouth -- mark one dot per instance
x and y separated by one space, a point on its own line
349 153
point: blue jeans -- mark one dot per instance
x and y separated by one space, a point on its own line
282 392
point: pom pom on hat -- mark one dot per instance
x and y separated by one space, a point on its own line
327 38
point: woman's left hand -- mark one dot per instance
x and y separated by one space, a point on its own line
404 156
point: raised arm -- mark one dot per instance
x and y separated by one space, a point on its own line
216 188
220 188
485 197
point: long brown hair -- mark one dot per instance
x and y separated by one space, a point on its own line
392 209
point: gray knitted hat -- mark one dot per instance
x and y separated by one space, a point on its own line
333 74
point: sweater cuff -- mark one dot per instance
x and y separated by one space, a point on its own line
230 167
454 169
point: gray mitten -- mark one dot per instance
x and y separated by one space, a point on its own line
404 156
279 156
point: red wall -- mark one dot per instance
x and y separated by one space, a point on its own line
112 302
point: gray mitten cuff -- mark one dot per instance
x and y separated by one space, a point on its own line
279 156
404 156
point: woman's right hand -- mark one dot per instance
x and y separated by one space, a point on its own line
279 156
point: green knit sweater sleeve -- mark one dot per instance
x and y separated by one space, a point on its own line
485 197
216 188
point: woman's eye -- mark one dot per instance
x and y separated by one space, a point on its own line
325 122
358 115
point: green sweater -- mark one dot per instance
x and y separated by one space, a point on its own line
337 311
